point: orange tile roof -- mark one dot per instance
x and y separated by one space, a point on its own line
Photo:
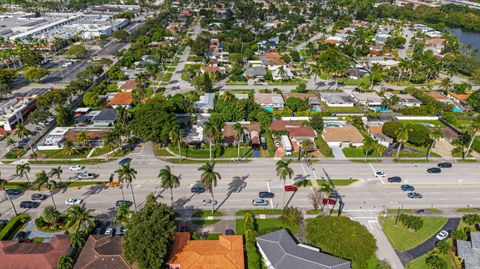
129 85
460 96
437 95
376 129
272 55
224 253
122 98
348 134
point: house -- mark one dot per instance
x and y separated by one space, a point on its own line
104 117
459 98
281 251
337 99
206 102
102 251
272 55
210 69
121 99
302 133
375 131
269 101
283 125
26 255
255 72
128 85
251 131
469 251
313 100
367 98
81 111
356 72
406 100
94 135
436 45
439 97
226 252
274 63
337 136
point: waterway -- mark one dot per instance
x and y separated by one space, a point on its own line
467 37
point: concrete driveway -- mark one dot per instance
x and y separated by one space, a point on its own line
337 152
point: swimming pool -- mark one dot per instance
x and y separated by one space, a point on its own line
315 109
333 124
457 109
269 109
382 109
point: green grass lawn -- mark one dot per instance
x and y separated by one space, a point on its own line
420 262
404 239
358 152
245 152
60 154
264 225
259 211
160 151
354 109
437 123
207 213
468 210
24 185
85 161
100 152
336 182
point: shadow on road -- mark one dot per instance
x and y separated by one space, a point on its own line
236 185
290 199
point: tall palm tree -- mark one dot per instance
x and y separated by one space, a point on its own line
446 84
22 132
127 173
82 139
23 170
111 141
78 217
69 148
435 135
56 172
169 180
51 185
175 136
41 179
65 262
368 145
209 178
238 136
472 131
77 240
228 96
325 189
3 184
210 132
401 137
284 172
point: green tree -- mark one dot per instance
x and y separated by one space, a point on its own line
401 138
443 247
23 170
77 240
291 216
79 217
22 132
65 262
209 178
50 214
51 185
368 146
56 172
435 135
69 148
35 73
92 99
150 232
111 141
436 262
472 131
77 51
238 137
82 140
128 174
283 172
175 136
169 180
64 115
3 184
39 116
41 179
316 122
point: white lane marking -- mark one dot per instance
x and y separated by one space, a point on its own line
375 172
271 200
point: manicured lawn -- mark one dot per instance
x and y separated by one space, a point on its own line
245 152
259 211
354 109
404 239
207 213
100 152
264 225
437 123
358 152
85 161
213 236
420 262
60 154
336 182
468 210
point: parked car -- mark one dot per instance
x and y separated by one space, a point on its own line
291 188
29 204
39 196
329 201
442 235
123 202
229 232
414 195
379 174
334 195
87 176
197 189
394 179
13 192
209 202
260 202
108 231
266 194
445 165
76 167
407 187
124 161
434 170
73 201
21 236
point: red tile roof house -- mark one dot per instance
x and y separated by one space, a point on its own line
296 131
102 252
123 99
129 85
15 255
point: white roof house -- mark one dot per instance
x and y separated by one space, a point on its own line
206 102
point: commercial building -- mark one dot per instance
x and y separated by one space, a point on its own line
14 112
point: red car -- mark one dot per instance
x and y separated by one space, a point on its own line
329 201
290 188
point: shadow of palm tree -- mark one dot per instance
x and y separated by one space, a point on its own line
290 199
93 190
236 185
300 177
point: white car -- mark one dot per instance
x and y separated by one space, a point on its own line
209 202
260 202
442 235
76 167
73 201
66 64
379 174
109 231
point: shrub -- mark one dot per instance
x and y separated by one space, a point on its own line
443 247
390 128
291 216
412 222
40 222
323 146
436 262
471 219
418 134
12 225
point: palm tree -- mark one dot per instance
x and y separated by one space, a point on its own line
111 141
284 171
51 185
175 136
435 135
127 173
368 145
3 184
82 139
77 240
78 216
446 84
238 136
169 180
69 148
23 170
228 96
307 145
41 179
22 132
56 172
210 132
326 189
472 131
65 262
209 178
402 138
50 214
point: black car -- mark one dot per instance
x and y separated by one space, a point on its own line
124 161
414 195
266 194
13 192
39 196
434 170
21 236
29 204
334 195
229 232
445 165
198 189
123 202
394 179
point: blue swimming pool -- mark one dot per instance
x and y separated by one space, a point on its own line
382 109
269 109
457 109
315 109
333 124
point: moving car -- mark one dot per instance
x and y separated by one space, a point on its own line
73 201
394 179
379 174
334 195
209 202
329 201
291 188
123 202
197 189
108 231
29 204
442 235
13 192
87 176
407 187
124 161
445 165
266 194
434 170
260 202
75 167
414 195
39 196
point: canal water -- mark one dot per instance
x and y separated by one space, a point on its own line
467 37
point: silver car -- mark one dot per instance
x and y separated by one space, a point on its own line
260 202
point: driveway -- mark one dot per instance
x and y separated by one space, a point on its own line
428 245
32 232
337 152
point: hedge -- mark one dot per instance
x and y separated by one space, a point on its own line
418 134
412 222
12 225
323 147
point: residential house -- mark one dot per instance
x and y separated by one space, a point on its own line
459 98
436 45
102 251
439 97
128 86
26 255
280 250
251 132
337 39
255 72
406 100
269 101
226 252
81 111
469 251
121 99
375 131
206 102
272 55
283 125
303 133
313 100
274 64
338 136
94 135
337 99
211 69
269 44
356 72
370 99
104 117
